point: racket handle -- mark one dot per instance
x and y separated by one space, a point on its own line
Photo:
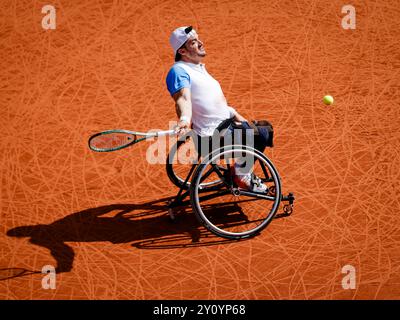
166 133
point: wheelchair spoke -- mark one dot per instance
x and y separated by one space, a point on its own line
216 169
207 174
214 195
232 211
257 195
225 192
266 175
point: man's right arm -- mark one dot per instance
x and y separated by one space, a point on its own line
183 106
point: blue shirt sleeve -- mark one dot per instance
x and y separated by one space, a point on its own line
177 79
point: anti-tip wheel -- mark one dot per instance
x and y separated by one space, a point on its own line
288 209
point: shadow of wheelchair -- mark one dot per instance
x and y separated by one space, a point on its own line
146 226
9 273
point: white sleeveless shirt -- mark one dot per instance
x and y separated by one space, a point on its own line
209 106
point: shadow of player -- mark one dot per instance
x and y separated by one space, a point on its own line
117 223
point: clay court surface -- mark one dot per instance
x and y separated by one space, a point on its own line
102 218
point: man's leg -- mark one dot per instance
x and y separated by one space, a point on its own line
243 168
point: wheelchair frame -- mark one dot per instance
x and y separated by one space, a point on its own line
194 189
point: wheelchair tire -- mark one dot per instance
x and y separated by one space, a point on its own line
203 215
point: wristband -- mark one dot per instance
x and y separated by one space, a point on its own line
184 118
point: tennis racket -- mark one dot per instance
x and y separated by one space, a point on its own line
112 140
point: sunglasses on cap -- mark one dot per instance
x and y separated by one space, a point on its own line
187 31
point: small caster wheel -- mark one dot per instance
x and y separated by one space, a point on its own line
171 214
236 192
288 209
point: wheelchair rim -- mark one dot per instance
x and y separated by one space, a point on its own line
195 194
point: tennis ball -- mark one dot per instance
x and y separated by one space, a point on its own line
328 100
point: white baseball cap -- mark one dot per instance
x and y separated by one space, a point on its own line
180 35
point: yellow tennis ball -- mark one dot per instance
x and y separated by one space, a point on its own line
328 100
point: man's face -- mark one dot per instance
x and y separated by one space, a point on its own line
193 48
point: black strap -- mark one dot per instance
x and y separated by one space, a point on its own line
224 124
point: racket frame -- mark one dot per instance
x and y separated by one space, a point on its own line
133 133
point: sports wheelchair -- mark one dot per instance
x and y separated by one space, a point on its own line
218 203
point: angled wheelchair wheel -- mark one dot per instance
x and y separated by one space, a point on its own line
181 158
232 212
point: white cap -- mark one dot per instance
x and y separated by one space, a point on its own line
180 35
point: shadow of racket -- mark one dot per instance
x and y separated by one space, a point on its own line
10 273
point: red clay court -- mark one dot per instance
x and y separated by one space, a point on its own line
102 218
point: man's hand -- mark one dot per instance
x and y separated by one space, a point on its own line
239 118
182 127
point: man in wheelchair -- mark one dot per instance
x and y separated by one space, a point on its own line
201 105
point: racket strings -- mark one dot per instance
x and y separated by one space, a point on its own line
112 141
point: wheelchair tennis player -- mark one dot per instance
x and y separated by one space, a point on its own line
201 104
